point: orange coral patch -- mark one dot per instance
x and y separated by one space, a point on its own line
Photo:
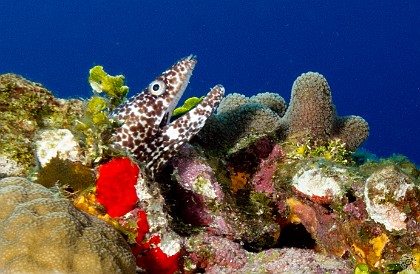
238 179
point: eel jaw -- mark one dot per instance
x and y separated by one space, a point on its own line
176 80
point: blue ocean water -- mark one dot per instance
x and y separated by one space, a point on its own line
369 51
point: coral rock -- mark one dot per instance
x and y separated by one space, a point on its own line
59 143
10 167
320 185
292 260
205 251
41 233
385 192
321 224
214 254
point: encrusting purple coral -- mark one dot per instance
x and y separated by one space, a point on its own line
214 254
197 187
202 202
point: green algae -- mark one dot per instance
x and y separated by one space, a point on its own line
334 150
361 269
112 86
95 128
189 104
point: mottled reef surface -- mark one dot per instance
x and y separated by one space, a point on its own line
264 187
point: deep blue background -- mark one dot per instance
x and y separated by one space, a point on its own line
369 51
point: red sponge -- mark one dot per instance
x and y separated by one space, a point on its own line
115 186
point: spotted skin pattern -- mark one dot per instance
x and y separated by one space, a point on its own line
146 131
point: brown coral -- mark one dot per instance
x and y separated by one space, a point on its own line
42 233
312 113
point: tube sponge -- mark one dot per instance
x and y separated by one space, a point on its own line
352 130
272 100
42 233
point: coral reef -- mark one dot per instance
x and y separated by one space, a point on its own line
262 188
40 233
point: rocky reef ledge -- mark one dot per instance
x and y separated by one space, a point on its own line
264 187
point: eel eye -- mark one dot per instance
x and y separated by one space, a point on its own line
157 87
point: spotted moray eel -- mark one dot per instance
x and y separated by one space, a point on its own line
146 130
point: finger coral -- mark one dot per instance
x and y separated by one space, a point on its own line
42 233
241 120
312 113
272 100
